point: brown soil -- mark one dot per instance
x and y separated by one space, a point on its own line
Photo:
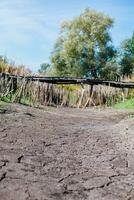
66 154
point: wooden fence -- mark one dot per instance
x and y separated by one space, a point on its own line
68 80
65 91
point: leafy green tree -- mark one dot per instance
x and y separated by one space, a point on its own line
43 68
111 70
84 46
127 57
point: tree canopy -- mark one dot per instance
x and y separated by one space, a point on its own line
84 46
127 57
43 68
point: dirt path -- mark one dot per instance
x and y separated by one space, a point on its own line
66 154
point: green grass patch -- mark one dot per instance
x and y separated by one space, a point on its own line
127 104
27 101
11 98
2 104
6 99
131 115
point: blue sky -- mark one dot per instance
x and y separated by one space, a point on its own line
29 28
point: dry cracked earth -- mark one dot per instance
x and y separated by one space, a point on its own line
66 154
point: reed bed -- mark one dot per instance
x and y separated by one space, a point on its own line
80 96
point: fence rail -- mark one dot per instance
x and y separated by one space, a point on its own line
69 80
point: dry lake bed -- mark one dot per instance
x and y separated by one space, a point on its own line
66 154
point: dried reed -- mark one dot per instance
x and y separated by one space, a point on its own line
35 93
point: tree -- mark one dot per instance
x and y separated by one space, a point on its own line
127 57
84 46
43 68
111 70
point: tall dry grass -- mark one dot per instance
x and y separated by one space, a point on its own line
81 96
15 70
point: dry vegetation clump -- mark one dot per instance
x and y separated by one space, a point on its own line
10 68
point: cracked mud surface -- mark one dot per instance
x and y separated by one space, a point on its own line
66 154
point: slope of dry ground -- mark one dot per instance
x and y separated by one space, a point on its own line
66 154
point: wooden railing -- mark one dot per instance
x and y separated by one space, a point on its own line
69 80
